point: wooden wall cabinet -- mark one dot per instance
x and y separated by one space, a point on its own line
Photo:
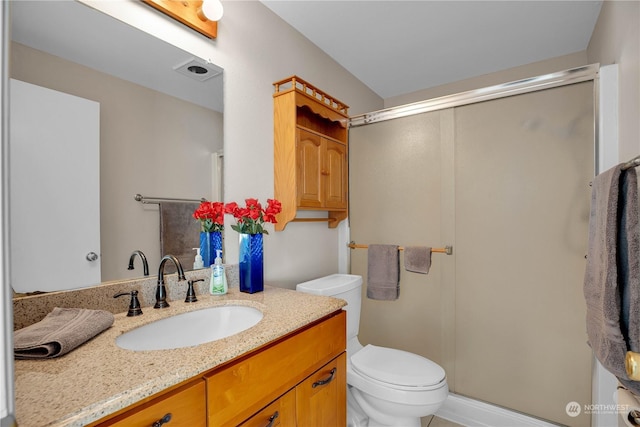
310 152
299 380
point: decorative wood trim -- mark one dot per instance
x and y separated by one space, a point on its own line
306 88
188 12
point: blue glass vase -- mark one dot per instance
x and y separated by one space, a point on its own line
210 242
251 263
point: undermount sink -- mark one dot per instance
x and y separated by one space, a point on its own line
190 329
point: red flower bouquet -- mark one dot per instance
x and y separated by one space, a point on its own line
211 216
251 218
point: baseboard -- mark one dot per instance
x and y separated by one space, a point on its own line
473 413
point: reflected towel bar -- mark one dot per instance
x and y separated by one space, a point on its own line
633 163
446 250
156 200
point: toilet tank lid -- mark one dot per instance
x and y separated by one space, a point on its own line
331 285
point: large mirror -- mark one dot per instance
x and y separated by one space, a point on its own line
160 130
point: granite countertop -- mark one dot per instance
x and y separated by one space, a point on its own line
99 378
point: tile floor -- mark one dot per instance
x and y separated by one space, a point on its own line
433 421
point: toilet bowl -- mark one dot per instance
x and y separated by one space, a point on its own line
386 386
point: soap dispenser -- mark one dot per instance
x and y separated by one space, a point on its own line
218 284
198 262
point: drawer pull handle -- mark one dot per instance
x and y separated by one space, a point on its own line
327 381
272 419
162 420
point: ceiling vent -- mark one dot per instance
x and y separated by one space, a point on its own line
198 69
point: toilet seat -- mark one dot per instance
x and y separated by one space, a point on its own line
397 369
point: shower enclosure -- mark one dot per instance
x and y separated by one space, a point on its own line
504 180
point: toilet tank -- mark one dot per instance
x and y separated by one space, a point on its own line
343 286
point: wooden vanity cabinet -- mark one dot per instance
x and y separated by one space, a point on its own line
301 376
281 412
186 406
310 152
246 387
321 398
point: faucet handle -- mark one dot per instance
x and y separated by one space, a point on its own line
191 294
134 304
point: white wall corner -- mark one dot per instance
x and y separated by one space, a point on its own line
608 120
603 388
344 254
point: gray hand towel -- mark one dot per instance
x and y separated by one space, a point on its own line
612 273
629 266
179 233
383 272
59 332
417 259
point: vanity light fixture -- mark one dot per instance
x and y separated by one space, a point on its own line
212 9
200 15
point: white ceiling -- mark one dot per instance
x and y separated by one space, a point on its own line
78 33
398 47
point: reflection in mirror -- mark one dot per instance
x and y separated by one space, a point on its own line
160 133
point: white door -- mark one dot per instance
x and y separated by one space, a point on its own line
54 191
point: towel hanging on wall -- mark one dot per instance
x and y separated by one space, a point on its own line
179 232
417 259
613 271
383 272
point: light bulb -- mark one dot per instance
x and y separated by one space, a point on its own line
212 9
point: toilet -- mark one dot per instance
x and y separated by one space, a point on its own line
386 386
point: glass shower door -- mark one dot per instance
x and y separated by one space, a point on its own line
522 170
506 182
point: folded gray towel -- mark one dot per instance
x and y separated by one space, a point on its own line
610 279
417 259
179 232
59 332
383 272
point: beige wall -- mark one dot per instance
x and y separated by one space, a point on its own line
616 40
154 155
264 49
257 48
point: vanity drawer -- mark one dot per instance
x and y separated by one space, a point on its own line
240 389
186 404
281 413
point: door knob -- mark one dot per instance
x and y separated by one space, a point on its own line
92 256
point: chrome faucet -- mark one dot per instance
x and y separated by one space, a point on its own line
161 291
145 265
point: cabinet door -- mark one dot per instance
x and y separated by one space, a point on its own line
308 164
334 175
321 399
186 406
242 388
281 413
